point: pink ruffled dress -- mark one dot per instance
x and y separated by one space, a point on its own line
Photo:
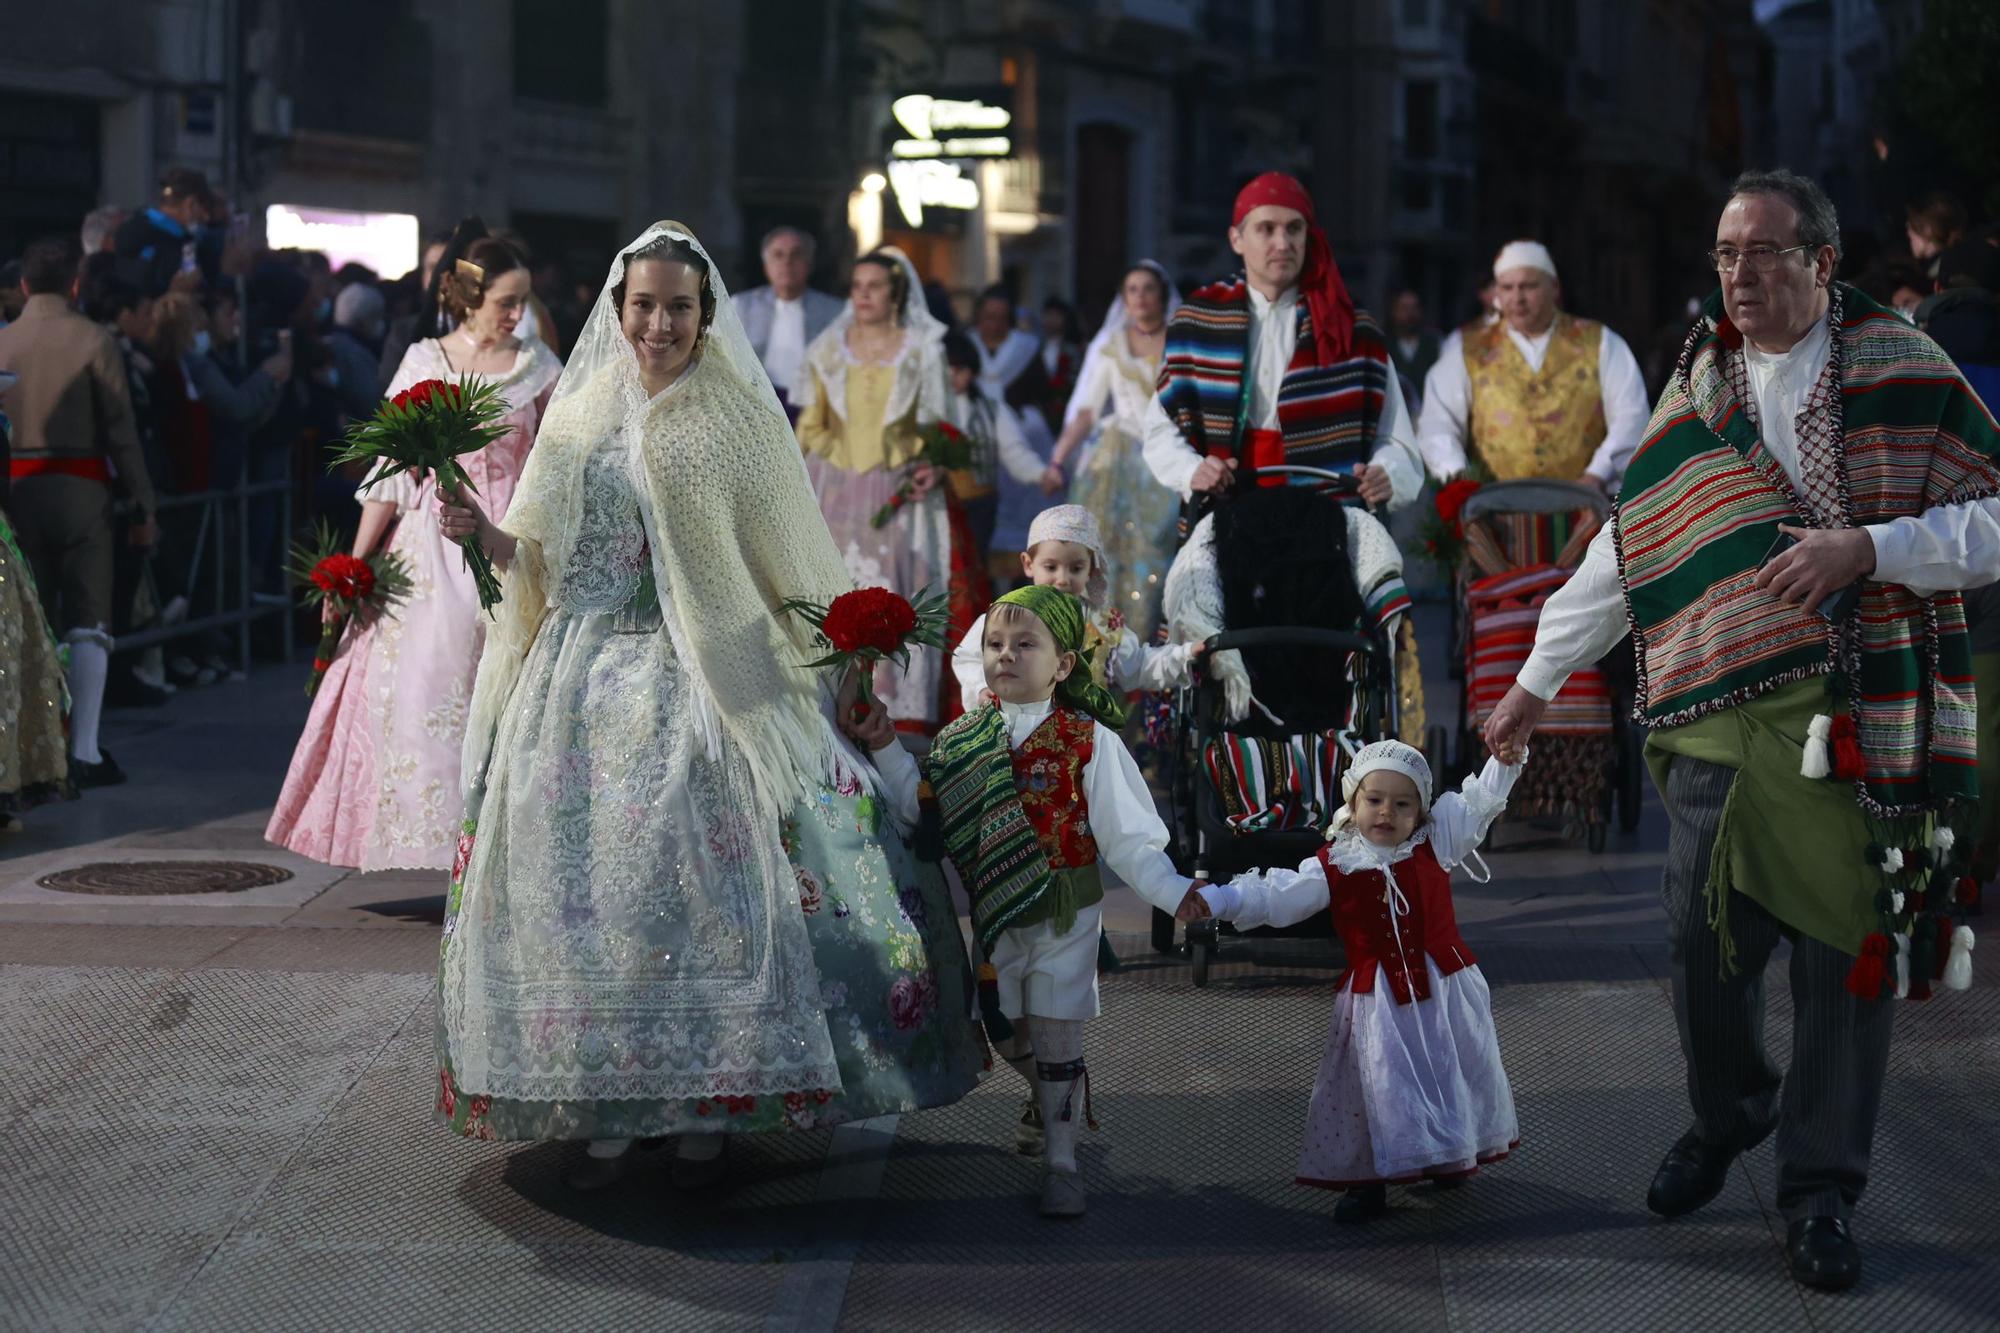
374 781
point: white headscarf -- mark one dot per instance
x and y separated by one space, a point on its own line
1524 254
1115 320
923 347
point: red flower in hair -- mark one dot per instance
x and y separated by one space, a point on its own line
345 577
868 618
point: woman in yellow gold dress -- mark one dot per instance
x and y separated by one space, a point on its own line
872 381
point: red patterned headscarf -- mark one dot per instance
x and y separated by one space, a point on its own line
1319 280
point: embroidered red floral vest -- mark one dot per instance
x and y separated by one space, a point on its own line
1362 910
1048 773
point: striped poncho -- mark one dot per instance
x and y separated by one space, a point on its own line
1701 506
1328 415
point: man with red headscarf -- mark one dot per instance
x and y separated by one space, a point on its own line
1276 365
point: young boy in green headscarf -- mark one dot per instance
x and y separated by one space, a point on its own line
1027 794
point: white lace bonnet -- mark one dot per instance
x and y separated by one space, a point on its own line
1395 757
1074 523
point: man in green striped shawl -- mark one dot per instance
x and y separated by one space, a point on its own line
1812 707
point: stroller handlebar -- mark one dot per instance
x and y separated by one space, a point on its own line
1341 640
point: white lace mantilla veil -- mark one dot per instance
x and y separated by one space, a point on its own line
734 530
1115 320
923 346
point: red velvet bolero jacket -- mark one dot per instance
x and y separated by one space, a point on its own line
1362 910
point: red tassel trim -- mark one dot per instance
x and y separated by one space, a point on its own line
1845 751
1968 892
1943 947
1864 979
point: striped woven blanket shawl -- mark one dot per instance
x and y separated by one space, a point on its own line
1327 414
1701 505
986 831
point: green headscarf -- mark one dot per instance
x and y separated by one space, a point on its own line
1063 614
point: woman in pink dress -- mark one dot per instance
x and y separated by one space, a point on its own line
374 781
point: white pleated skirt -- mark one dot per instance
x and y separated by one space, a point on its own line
1411 1090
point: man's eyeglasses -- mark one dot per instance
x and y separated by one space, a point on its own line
1760 258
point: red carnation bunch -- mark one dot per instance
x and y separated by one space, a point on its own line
423 431
870 625
868 618
345 577
945 447
1451 499
420 394
340 585
1444 535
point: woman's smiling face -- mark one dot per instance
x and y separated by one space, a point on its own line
661 316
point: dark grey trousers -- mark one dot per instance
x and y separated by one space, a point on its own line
1840 1045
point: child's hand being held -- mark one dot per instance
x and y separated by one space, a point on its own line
1193 907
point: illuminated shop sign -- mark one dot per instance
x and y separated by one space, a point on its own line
385 242
928 184
946 127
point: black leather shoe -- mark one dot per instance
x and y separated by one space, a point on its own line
1692 1173
1362 1205
104 773
1823 1253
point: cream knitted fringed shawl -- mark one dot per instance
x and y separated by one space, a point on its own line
734 531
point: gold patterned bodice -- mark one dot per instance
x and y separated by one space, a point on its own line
1528 423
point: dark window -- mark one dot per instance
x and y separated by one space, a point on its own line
1416 13
562 51
1416 191
1420 120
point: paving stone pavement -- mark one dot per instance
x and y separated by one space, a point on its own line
222 1121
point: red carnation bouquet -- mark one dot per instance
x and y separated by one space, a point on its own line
871 625
348 584
1444 536
945 447
422 431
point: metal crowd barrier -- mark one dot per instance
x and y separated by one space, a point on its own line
211 538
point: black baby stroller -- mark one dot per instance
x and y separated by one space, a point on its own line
1320 653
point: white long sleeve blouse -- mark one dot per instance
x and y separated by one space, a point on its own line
1456 824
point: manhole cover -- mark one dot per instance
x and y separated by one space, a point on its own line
131 879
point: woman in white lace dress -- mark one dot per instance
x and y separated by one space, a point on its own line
1134 511
677 907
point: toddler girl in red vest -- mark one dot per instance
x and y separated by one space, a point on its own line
1411 1085
1065 552
1027 794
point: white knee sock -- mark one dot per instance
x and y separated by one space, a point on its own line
1017 1052
89 664
698 1147
1058 1044
608 1147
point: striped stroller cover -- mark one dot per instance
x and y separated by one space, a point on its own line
1505 610
1273 786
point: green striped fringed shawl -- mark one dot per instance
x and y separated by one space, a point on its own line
986 832
1701 504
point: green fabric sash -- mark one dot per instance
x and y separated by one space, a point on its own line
986 830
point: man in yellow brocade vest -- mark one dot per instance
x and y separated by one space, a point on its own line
1537 393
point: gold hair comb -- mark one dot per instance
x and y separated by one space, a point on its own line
470 271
